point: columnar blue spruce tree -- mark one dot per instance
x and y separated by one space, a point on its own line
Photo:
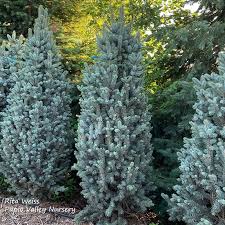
114 150
200 197
10 57
35 128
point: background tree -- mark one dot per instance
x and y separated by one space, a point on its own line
200 198
114 151
35 146
186 45
19 15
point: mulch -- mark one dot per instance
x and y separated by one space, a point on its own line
52 213
15 212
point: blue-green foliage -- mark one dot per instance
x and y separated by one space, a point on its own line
114 150
10 57
200 196
192 42
35 146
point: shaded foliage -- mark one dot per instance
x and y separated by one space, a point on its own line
19 15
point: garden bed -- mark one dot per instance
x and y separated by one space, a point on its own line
17 212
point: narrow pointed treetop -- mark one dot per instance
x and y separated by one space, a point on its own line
114 150
35 128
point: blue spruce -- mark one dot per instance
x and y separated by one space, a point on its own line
10 57
35 148
114 151
200 196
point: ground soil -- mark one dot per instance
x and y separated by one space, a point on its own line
48 213
9 218
16 212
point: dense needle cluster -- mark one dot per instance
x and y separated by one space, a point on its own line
114 150
35 128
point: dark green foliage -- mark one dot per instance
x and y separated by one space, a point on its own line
215 7
71 191
19 15
75 107
15 15
3 185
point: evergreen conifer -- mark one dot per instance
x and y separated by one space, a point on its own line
10 57
114 150
200 196
35 147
